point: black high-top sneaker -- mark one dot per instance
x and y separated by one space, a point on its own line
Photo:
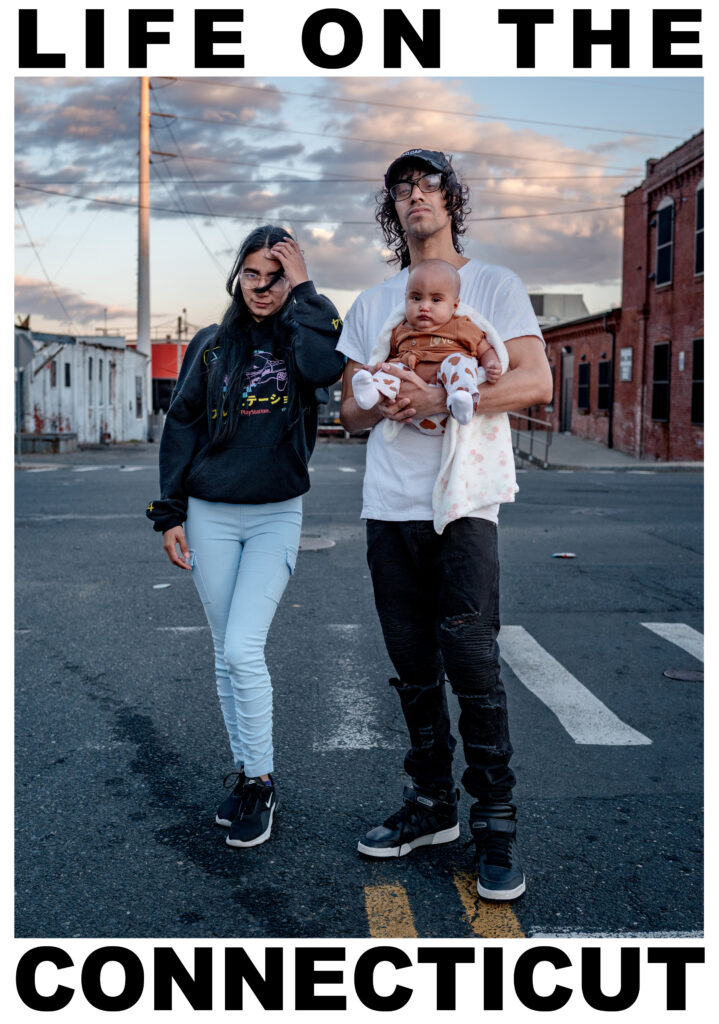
253 822
423 820
227 811
499 870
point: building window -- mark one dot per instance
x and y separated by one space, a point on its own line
53 374
583 387
99 381
698 381
699 239
665 242
67 375
660 383
604 381
89 380
138 398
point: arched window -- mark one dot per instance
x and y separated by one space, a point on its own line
699 237
665 241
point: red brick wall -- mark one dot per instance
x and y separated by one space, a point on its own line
672 313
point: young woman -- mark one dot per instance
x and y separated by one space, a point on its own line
233 466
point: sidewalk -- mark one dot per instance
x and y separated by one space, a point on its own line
567 452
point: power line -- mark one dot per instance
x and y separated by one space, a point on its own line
394 144
300 220
315 181
42 265
178 198
427 110
204 197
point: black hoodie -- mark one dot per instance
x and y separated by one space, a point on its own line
266 459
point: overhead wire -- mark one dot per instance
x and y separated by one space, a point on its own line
425 110
261 182
300 220
197 185
386 143
42 266
183 211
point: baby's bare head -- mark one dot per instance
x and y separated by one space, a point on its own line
436 275
432 294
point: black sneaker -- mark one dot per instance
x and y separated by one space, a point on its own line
253 822
227 811
499 871
423 820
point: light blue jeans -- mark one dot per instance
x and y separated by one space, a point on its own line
242 559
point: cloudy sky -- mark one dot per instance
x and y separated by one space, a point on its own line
547 161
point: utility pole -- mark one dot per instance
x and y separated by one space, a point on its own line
144 344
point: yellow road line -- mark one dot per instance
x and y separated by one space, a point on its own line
389 912
490 920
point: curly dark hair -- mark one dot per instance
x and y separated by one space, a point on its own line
456 196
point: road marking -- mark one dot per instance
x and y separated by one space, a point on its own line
584 716
78 515
350 701
90 469
388 912
44 469
490 920
134 469
180 629
346 469
680 634
567 933
642 472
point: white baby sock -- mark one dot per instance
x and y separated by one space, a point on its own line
365 390
461 407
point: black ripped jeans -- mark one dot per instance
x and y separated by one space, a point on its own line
437 597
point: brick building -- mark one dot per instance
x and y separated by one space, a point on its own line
633 378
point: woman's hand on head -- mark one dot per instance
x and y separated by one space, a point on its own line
171 540
290 256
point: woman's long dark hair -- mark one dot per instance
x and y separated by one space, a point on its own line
456 197
233 352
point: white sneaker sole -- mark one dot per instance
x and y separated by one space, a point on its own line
501 894
448 835
258 839
222 821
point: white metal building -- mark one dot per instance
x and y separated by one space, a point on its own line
93 387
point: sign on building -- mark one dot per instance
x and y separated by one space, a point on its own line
626 356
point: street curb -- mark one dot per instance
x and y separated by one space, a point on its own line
641 467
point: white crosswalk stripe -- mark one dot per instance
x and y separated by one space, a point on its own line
587 719
680 634
584 716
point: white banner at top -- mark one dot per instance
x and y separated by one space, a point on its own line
360 37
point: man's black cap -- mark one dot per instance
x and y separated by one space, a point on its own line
430 157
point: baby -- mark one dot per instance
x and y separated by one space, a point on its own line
430 335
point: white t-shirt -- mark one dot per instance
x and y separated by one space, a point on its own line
400 474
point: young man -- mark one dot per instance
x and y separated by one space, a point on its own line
437 595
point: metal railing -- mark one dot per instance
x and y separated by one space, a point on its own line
531 438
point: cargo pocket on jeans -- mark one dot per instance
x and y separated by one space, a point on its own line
198 578
275 586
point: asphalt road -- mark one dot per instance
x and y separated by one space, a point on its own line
121 748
